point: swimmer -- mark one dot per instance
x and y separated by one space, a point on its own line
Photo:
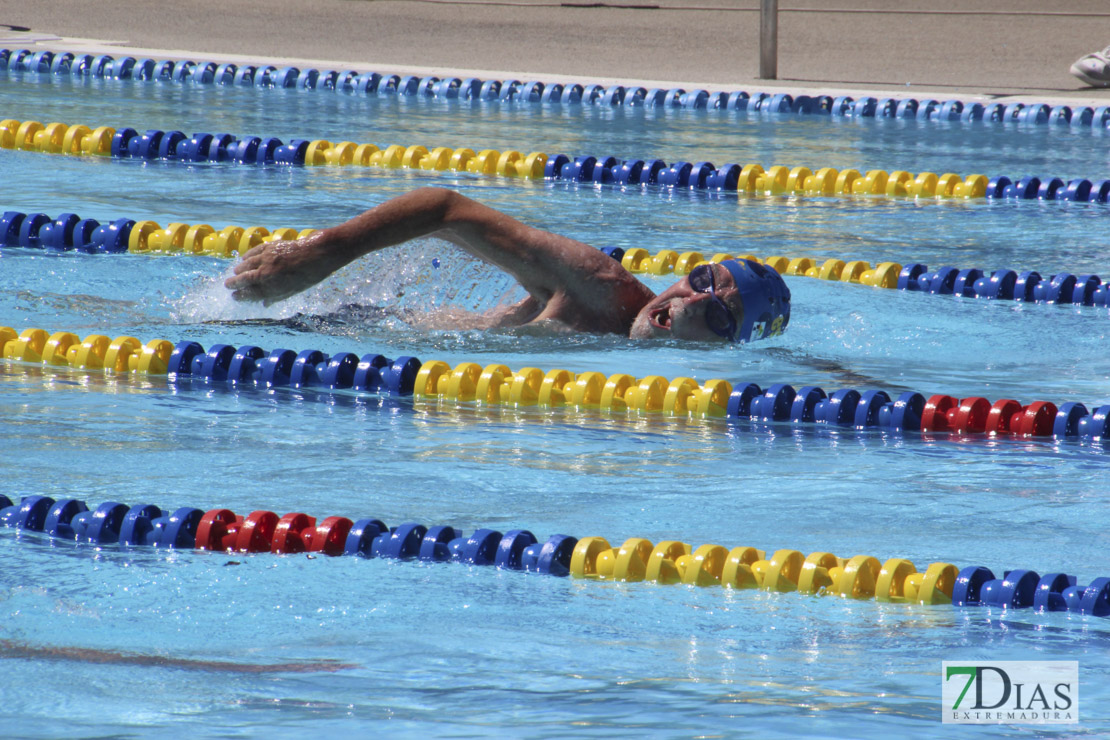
569 284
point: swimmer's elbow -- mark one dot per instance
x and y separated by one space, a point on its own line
440 200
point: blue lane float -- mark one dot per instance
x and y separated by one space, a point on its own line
1063 288
154 144
66 232
535 92
251 365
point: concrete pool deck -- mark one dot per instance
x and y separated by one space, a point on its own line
966 49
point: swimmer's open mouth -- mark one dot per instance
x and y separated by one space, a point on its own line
661 317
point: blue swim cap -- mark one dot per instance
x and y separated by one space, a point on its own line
766 299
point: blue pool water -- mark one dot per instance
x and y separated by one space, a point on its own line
462 651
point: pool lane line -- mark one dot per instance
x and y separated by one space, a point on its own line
535 92
127 143
495 386
70 232
668 562
749 179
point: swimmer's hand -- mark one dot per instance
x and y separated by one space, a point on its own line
274 271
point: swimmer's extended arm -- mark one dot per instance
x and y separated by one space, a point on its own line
573 281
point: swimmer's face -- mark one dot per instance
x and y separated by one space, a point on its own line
679 312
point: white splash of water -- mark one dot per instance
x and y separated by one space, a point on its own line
424 275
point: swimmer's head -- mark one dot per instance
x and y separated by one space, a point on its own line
766 299
733 301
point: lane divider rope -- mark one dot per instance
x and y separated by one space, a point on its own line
70 232
1002 284
495 386
667 562
516 91
750 179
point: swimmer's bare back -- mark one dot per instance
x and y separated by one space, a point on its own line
18 650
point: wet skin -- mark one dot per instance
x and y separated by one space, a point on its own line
679 311
568 282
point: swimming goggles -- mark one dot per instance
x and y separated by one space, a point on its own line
718 317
